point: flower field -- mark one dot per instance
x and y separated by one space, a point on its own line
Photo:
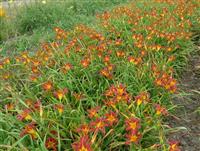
107 87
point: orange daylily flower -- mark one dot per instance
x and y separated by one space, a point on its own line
93 112
66 67
51 144
160 110
111 118
59 108
84 144
174 146
47 86
59 94
133 137
132 124
98 125
84 128
85 62
29 129
9 106
24 115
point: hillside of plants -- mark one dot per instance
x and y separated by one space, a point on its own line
103 86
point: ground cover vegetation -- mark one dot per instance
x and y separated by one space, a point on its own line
105 87
26 24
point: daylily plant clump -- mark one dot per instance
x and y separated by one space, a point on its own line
105 87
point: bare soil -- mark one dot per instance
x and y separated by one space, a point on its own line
188 111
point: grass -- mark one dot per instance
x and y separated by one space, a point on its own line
101 86
25 28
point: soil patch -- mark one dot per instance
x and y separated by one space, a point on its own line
188 111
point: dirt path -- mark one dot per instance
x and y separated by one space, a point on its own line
187 112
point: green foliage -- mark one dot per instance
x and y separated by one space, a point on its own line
115 76
33 22
59 13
